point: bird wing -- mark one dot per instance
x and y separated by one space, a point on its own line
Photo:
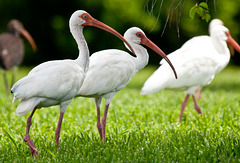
59 82
196 43
194 65
47 64
109 71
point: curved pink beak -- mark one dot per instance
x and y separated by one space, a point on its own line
150 44
232 43
94 22
29 38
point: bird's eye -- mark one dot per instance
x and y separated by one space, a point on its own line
84 16
139 34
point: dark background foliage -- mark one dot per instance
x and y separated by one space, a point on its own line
166 23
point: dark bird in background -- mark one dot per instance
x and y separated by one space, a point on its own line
12 49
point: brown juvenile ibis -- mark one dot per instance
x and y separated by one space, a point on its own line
12 48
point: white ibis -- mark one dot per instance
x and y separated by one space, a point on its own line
12 49
196 63
57 82
111 70
212 24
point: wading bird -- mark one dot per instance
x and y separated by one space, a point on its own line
12 49
111 70
212 24
57 82
196 63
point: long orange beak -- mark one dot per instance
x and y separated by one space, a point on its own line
29 38
232 42
150 44
98 24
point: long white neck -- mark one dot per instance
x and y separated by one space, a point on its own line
83 57
141 59
220 46
223 54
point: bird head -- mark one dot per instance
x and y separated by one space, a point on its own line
137 36
81 18
16 27
221 33
214 23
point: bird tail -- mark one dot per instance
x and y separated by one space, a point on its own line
157 81
151 87
26 106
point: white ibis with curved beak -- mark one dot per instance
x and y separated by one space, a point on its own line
12 49
196 65
57 82
111 70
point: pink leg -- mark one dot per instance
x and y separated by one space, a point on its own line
104 119
198 92
99 125
57 132
183 107
27 137
5 82
198 109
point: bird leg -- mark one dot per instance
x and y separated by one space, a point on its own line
183 107
5 82
14 70
27 137
198 92
99 125
198 109
104 119
57 132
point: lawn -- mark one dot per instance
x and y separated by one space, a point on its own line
139 128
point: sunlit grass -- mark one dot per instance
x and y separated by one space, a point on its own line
139 128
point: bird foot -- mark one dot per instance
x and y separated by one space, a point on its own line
30 143
198 109
57 142
57 136
103 141
180 119
103 131
99 127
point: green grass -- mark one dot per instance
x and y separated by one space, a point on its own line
139 128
